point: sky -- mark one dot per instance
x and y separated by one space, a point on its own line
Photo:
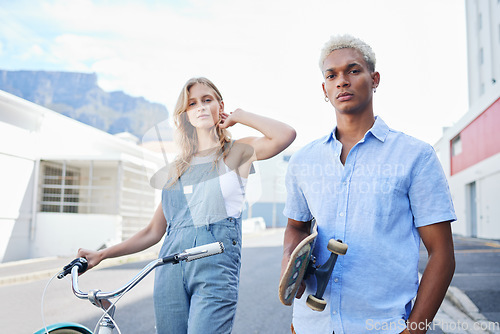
262 54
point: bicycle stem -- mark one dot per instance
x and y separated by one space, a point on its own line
187 255
109 295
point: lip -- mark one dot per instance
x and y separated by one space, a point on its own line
203 116
344 96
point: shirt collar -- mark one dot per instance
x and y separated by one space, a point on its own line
379 130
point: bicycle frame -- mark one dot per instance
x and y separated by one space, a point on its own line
102 299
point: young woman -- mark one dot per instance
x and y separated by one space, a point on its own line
202 199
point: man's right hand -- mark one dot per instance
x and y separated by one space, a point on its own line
284 264
295 232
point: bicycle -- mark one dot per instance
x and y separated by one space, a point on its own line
106 324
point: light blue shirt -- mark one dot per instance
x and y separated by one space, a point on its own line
390 185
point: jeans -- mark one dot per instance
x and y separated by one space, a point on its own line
199 296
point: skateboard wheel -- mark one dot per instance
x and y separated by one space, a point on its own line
337 247
316 304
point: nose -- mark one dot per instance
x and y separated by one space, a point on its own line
342 81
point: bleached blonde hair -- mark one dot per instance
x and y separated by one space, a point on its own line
186 135
337 42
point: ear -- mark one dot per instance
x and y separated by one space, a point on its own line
324 89
221 109
375 79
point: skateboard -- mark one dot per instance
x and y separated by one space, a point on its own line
302 265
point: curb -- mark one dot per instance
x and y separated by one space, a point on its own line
25 278
467 308
463 303
47 274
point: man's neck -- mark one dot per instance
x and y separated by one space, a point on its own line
352 128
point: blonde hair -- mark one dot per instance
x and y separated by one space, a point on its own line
347 41
186 136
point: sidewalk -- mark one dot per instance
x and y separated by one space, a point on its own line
472 301
472 304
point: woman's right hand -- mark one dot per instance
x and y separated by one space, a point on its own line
93 257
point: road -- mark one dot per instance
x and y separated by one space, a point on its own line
259 309
473 297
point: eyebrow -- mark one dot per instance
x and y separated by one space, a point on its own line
349 66
204 96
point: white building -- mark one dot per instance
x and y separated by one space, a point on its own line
65 185
470 150
266 191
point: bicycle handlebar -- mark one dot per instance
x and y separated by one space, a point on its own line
80 262
201 251
79 266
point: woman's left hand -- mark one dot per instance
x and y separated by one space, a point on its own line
277 135
228 120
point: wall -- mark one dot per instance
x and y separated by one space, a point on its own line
480 139
486 175
18 162
61 234
483 47
16 180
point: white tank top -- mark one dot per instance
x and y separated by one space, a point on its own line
233 190
231 184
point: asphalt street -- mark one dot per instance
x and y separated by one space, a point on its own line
471 305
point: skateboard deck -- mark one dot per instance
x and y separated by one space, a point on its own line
297 266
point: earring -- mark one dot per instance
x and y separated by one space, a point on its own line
326 98
374 89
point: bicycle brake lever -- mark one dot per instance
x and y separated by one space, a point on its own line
80 262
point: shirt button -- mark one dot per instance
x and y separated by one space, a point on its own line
341 214
336 280
334 312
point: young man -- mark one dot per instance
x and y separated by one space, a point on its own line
380 192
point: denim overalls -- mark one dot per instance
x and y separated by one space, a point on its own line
199 296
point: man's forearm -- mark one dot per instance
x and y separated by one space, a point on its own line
434 284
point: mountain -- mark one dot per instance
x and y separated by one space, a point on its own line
77 95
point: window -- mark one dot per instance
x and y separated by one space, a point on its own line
481 56
480 21
60 188
456 146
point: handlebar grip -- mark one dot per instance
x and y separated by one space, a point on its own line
203 251
80 262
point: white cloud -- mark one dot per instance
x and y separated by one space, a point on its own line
82 48
35 51
263 54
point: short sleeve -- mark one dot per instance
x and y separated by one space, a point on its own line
296 206
429 194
